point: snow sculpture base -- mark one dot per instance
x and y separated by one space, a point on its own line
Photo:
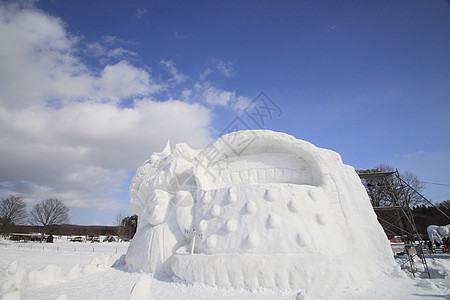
277 213
312 272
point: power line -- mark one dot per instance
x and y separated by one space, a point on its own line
445 184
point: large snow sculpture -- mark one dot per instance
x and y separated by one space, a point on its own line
274 211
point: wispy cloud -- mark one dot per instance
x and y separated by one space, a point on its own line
225 68
141 12
121 53
176 76
332 27
109 50
111 41
413 154
205 74
181 36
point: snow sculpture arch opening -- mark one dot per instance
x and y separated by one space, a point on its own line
263 161
280 213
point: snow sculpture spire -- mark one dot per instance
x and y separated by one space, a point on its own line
166 150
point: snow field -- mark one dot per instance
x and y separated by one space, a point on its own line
51 274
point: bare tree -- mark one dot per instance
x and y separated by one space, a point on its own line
49 212
12 211
391 190
414 185
118 222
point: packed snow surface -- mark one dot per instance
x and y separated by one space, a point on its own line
112 281
273 212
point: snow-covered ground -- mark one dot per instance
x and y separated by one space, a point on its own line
66 270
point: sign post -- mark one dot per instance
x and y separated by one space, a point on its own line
194 234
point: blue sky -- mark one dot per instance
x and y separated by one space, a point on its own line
89 89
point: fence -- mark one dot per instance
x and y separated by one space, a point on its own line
104 248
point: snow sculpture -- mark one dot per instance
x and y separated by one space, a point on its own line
437 233
154 192
274 211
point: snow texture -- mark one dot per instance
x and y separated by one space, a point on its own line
48 275
273 211
15 277
17 260
142 289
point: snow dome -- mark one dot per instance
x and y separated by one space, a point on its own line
273 211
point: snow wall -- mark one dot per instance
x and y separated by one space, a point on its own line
273 211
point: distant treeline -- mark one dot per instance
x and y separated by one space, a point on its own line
423 217
429 215
67 229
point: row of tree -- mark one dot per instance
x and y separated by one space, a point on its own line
49 212
428 215
126 226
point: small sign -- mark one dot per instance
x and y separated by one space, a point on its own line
193 233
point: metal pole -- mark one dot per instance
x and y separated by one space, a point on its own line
193 244
425 198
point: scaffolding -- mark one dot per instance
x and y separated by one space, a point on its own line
389 199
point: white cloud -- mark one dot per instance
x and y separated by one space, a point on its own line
64 129
122 81
141 12
110 40
226 68
38 63
121 53
186 93
110 51
215 96
205 74
332 27
176 76
241 103
413 154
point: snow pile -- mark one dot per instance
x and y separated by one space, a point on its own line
74 272
447 281
273 211
46 276
14 276
96 265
